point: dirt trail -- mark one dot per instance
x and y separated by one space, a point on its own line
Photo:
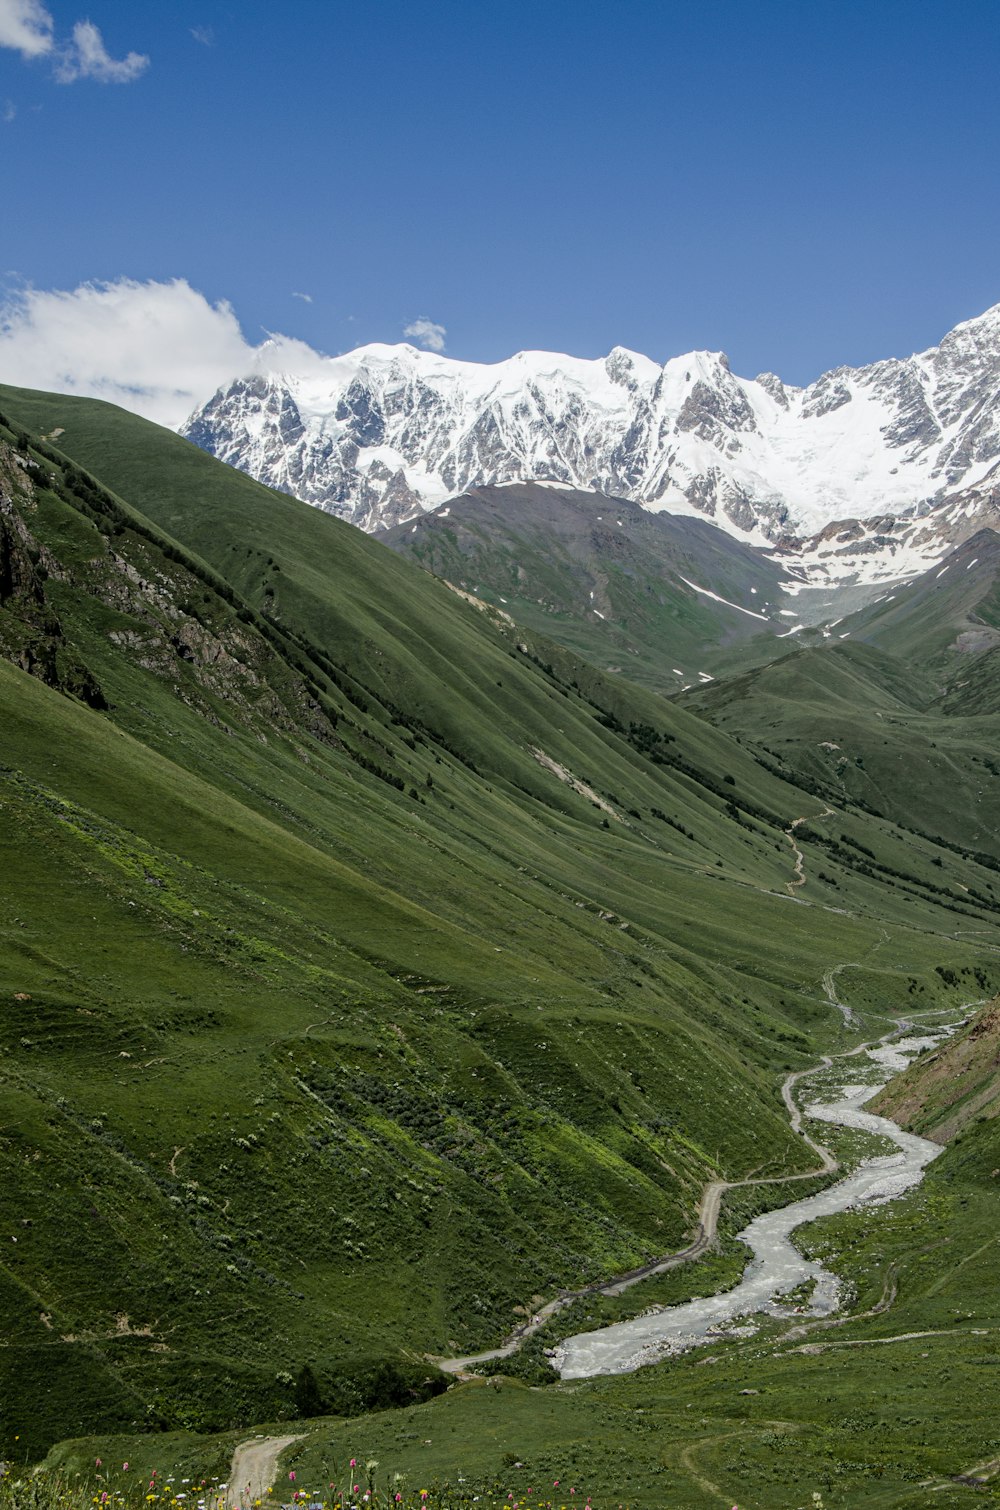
252 1470
689 1464
708 1220
800 859
830 989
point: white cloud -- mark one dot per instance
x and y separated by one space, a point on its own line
429 334
159 349
86 57
306 298
26 26
9 111
203 34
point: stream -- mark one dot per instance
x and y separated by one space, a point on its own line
777 1267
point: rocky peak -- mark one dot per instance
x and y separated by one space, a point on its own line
390 429
772 384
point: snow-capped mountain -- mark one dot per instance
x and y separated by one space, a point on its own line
891 547
384 432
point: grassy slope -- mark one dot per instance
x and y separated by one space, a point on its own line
862 723
975 686
949 612
602 576
888 1412
291 1029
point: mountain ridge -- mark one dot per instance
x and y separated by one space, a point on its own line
381 433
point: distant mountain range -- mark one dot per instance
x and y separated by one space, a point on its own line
868 474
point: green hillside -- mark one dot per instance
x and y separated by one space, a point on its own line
369 965
892 1404
865 726
946 615
656 597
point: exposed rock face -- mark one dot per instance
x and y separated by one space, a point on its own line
208 655
385 432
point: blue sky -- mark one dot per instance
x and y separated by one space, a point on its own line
800 184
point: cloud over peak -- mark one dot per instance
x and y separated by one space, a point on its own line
159 349
156 348
426 333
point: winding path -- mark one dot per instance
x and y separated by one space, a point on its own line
708 1219
800 859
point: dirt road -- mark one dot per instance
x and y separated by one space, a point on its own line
253 1468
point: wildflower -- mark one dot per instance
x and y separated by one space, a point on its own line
124 1468
291 1475
97 1462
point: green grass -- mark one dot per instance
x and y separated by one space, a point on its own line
336 1026
604 577
859 725
857 1410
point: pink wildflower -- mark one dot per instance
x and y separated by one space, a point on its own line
125 1468
97 1462
291 1475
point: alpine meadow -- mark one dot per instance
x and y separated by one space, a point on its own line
499 755
381 969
